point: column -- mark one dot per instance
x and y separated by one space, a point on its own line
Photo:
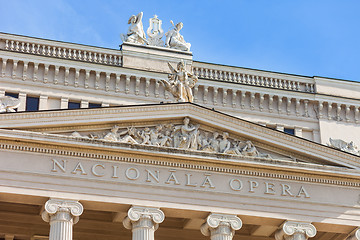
62 215
295 231
221 226
355 235
143 221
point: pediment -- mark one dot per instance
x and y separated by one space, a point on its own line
179 130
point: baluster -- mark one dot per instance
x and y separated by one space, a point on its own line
64 53
111 60
95 57
27 47
201 72
338 111
253 82
298 86
306 87
356 114
59 52
211 76
79 55
105 59
257 82
69 55
7 45
48 50
74 54
267 82
12 46
85 56
206 73
276 83
347 113
312 88
54 52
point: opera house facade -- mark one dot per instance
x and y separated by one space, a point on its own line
144 142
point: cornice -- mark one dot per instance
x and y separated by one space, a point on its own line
20 141
157 112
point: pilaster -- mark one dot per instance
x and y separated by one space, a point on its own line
295 231
62 215
143 222
221 226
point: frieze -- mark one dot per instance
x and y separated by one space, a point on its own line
185 136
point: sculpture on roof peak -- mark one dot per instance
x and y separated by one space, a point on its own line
155 33
135 32
175 40
180 83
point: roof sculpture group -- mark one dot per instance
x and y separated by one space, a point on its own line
136 34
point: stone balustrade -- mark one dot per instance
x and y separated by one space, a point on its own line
239 76
60 50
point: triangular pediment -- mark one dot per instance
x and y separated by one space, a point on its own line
180 130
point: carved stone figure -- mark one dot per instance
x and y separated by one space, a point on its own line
180 83
344 146
135 32
129 136
8 104
175 40
185 135
155 32
112 135
249 149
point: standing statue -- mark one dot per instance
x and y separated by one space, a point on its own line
180 83
155 32
175 40
135 32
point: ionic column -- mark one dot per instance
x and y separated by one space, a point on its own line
62 215
355 235
143 222
295 231
221 226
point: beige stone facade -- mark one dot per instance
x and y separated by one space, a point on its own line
98 149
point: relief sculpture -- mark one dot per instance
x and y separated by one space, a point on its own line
185 136
349 147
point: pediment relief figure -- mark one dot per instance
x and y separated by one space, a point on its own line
8 104
186 136
340 144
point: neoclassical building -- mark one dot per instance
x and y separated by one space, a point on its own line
144 142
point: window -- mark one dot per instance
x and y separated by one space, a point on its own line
289 131
14 95
73 105
32 103
94 105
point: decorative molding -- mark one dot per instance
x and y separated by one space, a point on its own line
137 213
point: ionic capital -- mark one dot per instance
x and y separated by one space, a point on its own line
137 213
227 223
295 230
63 210
355 235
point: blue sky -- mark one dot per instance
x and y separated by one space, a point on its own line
305 37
